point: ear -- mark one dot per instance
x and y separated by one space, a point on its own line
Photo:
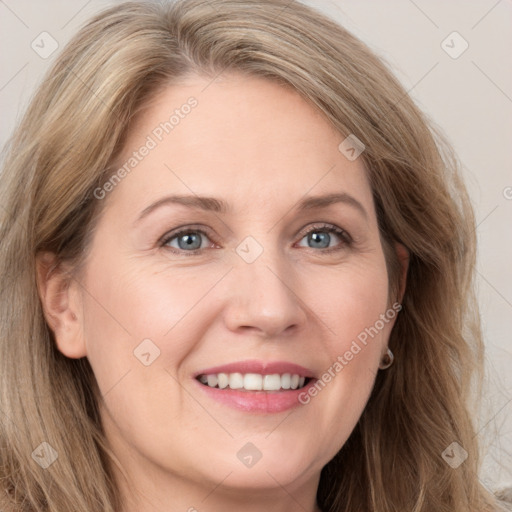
61 301
403 258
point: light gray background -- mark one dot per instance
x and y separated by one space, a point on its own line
469 97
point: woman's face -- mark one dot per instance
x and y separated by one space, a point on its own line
242 236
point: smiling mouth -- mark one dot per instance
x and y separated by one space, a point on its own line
254 381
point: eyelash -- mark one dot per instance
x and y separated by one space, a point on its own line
347 240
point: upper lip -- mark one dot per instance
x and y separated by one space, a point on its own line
260 367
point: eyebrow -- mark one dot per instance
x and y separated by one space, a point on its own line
213 204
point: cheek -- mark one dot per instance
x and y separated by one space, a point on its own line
131 311
350 300
354 308
361 320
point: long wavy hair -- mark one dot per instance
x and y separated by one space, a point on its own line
62 151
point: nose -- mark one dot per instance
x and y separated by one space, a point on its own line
264 299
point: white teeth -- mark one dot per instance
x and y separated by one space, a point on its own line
223 379
253 381
272 382
236 381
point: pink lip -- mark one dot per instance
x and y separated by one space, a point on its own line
261 367
257 401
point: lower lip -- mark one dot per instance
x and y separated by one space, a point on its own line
257 401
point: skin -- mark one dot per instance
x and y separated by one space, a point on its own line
260 148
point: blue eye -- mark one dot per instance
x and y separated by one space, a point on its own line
323 237
320 237
187 240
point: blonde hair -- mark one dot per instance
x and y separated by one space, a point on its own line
62 151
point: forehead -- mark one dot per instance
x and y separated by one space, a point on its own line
243 138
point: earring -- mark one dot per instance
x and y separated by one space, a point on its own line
387 360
